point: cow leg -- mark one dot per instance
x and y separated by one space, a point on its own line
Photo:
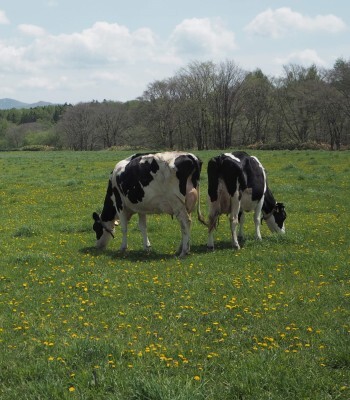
235 204
257 218
185 223
124 218
213 218
143 229
241 218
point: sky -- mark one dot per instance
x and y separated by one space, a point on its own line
71 51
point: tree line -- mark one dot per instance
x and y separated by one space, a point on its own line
203 106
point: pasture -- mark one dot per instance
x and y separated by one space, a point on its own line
270 321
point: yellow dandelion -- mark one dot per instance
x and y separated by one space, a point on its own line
71 389
197 378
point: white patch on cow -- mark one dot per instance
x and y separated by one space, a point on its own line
246 200
272 225
233 157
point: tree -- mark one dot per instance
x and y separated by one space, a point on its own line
195 87
257 105
79 128
226 102
111 122
161 97
296 99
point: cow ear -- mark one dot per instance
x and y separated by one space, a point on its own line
96 217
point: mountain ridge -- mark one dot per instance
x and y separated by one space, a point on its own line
8 104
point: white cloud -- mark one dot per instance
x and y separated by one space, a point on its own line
106 45
102 43
3 19
104 54
305 57
31 30
202 37
277 23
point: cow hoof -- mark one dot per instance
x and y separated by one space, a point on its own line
210 248
236 246
182 254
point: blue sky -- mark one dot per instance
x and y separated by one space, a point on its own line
83 50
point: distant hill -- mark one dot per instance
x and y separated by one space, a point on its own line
7 104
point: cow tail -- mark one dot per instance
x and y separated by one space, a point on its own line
196 180
199 213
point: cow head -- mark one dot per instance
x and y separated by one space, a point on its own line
275 220
104 231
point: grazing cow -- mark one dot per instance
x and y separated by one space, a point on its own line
237 183
160 183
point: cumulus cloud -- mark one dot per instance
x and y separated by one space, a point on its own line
305 57
276 23
203 37
103 53
102 43
3 19
105 45
31 30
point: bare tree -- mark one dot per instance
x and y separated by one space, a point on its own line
111 123
79 128
226 102
296 98
195 87
162 117
257 105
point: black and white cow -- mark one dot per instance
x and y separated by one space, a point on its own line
160 183
236 184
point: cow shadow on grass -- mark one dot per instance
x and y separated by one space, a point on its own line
130 255
196 249
140 254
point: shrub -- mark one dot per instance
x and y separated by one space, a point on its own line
37 147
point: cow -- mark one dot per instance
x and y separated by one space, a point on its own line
154 183
237 184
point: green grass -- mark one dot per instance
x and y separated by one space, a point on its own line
270 321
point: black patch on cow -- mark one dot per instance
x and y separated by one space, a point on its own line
97 226
136 176
187 165
269 202
213 171
109 212
253 173
279 214
229 170
118 199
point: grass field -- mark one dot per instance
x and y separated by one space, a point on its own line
270 321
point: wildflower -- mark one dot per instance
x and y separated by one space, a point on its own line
197 378
71 389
